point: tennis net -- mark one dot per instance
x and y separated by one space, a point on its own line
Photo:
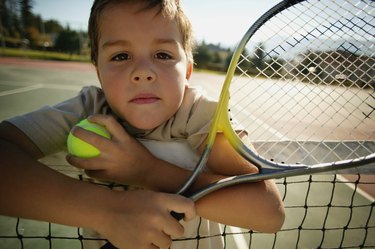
322 211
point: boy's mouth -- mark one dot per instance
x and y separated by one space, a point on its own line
144 98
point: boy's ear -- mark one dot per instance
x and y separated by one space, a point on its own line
189 71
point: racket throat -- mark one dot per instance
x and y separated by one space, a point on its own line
184 190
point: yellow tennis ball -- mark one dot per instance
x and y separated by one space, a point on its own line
80 148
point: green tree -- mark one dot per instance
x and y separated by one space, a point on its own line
244 64
10 25
217 58
203 56
310 64
26 18
228 59
276 65
68 41
259 56
52 27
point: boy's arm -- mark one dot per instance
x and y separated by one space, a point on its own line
257 206
123 159
30 189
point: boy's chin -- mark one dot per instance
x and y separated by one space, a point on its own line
146 125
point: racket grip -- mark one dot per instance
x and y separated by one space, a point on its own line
177 216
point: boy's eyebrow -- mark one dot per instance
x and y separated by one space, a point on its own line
115 43
128 43
166 40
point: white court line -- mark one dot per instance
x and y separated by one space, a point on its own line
39 86
239 238
358 189
21 90
264 125
63 87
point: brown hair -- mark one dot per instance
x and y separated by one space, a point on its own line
169 8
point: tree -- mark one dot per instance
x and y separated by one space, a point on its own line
52 27
202 56
309 65
26 18
244 64
68 41
259 56
10 23
228 59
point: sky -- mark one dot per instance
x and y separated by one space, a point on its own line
214 21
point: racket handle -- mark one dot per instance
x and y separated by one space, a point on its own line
177 216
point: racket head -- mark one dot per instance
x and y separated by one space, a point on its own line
300 91
300 87
303 89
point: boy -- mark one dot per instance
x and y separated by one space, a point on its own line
142 54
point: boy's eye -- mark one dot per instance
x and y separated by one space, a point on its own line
163 56
121 57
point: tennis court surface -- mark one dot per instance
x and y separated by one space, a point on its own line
323 211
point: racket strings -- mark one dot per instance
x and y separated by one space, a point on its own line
304 89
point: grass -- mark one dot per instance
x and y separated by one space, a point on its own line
45 55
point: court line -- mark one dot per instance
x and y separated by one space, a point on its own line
263 124
358 189
21 90
239 238
64 87
39 86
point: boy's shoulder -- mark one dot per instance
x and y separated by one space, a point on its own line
92 91
93 100
198 99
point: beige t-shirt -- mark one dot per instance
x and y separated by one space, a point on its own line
49 126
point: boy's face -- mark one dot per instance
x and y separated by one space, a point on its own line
141 65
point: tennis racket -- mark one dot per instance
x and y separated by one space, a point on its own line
299 94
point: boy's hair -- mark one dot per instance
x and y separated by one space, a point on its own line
169 8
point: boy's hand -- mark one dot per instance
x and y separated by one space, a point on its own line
123 159
141 219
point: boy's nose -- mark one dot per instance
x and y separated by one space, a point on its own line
143 73
139 78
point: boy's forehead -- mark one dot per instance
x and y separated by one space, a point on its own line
132 7
129 9
121 16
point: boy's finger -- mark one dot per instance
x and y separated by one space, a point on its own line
88 136
186 206
109 122
162 241
173 228
100 143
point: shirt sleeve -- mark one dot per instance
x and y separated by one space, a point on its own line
49 126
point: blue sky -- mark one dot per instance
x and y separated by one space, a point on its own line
215 21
